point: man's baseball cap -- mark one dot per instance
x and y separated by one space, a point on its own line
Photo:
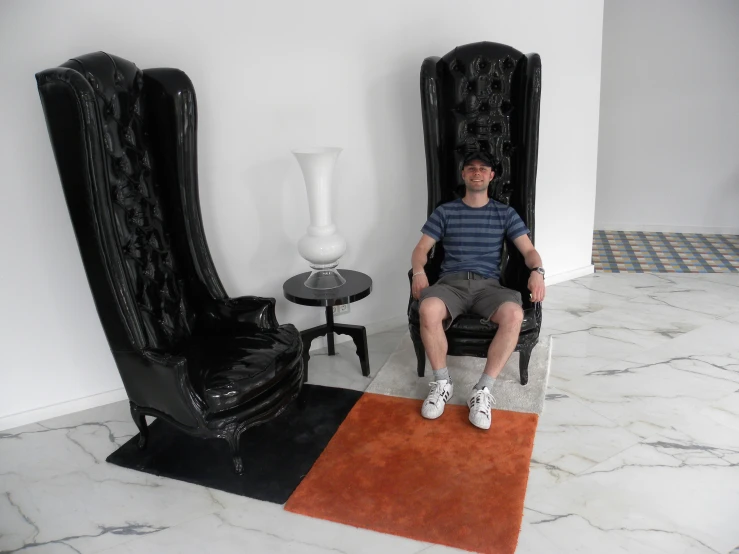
479 155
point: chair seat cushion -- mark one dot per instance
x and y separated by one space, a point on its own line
474 325
228 371
471 324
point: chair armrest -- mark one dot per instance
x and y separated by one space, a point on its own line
525 298
159 380
249 310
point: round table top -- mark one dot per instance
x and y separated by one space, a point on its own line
357 286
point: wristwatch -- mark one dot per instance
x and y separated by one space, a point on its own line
538 270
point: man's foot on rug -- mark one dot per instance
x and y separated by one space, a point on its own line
480 404
440 393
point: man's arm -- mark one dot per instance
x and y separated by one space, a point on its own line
525 246
420 253
532 259
418 262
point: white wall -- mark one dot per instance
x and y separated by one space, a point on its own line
271 77
669 123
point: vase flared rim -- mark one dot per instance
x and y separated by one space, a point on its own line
317 150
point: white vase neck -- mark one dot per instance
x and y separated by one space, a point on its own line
317 150
317 165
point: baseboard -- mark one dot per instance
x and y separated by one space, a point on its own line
63 408
690 229
393 322
387 324
372 328
569 275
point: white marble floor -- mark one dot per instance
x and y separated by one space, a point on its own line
637 450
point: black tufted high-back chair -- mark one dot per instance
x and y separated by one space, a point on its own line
125 145
482 97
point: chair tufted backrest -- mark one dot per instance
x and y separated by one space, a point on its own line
483 96
479 93
133 200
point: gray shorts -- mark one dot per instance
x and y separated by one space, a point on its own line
482 296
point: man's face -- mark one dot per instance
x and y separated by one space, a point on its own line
477 176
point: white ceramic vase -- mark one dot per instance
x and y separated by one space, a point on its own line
322 245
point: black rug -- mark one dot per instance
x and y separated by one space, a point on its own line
277 455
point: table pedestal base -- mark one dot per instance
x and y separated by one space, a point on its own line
356 332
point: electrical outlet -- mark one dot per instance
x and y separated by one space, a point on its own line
342 309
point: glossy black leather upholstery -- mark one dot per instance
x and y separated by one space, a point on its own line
125 145
482 96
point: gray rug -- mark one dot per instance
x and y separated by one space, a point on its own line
398 377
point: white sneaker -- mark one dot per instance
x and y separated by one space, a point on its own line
440 393
481 403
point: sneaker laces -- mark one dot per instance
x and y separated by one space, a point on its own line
437 389
485 398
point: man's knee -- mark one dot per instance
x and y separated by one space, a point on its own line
508 314
432 311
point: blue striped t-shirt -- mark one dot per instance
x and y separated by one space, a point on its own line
473 237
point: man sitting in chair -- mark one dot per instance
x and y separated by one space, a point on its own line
473 229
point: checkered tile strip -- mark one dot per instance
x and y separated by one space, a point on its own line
637 252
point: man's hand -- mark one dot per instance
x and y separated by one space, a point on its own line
420 282
536 286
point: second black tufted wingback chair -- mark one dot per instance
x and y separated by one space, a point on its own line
125 146
482 97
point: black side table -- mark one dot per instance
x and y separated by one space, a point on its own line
357 286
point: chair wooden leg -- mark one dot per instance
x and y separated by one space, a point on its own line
234 441
420 354
140 420
523 364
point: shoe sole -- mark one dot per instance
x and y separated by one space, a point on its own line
430 417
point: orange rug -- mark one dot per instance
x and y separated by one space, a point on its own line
444 481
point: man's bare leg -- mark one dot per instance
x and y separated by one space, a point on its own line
509 317
433 312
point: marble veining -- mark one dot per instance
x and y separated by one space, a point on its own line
655 493
636 451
